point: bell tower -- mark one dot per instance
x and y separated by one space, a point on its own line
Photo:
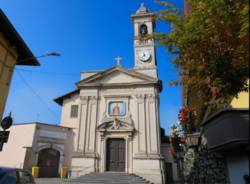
144 46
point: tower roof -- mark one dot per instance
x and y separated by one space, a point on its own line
142 9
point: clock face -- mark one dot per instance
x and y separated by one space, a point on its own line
144 55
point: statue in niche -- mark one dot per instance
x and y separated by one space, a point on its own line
116 110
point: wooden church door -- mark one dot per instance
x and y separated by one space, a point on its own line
115 160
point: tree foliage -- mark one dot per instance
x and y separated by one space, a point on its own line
211 42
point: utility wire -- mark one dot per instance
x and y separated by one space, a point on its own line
40 72
48 73
36 94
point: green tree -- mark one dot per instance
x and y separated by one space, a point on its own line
211 42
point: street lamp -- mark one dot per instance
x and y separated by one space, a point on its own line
54 54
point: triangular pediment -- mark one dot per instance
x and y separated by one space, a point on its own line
120 77
116 75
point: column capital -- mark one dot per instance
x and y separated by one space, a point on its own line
151 97
93 99
140 97
84 100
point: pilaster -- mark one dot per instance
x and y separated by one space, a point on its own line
83 123
141 123
88 123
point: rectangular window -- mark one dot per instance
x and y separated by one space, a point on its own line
74 111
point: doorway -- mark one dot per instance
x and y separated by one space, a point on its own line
115 159
48 162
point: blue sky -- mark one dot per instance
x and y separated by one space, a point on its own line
89 34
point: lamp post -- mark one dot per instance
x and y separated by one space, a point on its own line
55 54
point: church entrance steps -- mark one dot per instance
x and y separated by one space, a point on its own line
110 178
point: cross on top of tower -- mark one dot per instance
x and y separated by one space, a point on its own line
142 9
118 60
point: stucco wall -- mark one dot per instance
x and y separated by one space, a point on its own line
66 120
8 58
13 154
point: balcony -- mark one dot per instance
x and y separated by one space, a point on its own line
227 130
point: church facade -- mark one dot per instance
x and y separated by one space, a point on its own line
114 113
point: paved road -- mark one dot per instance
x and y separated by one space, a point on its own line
54 181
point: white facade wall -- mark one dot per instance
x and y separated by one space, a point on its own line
143 148
67 121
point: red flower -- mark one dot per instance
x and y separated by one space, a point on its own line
182 115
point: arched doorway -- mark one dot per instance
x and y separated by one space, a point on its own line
115 158
48 162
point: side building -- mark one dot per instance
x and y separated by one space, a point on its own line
37 144
13 51
233 143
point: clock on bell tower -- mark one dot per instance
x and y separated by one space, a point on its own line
144 46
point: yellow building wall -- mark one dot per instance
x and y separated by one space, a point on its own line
8 58
242 101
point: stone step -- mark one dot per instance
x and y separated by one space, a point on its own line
109 178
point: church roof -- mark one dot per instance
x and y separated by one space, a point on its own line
113 77
98 78
60 99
